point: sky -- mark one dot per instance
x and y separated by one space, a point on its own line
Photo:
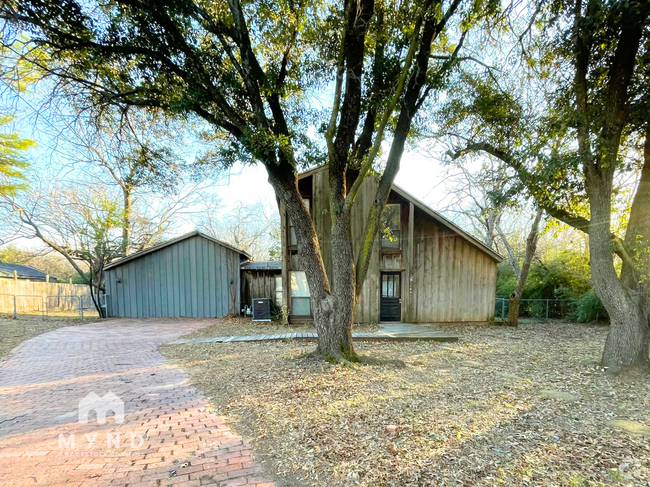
418 175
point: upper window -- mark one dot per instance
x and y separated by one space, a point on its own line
391 235
293 241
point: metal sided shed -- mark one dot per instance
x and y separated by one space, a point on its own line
194 276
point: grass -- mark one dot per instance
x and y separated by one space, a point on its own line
15 331
503 406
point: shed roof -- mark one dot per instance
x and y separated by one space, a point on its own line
173 241
23 271
431 212
268 265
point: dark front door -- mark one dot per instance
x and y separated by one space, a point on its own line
391 302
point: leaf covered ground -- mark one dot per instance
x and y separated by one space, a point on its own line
525 406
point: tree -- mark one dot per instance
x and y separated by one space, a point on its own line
482 190
131 149
84 223
77 222
12 162
483 196
253 227
587 136
14 75
521 272
246 69
46 260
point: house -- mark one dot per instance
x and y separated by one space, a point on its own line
25 272
261 280
424 268
194 275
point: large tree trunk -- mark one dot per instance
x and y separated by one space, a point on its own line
531 246
634 273
335 342
627 341
332 310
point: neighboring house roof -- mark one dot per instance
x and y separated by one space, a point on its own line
173 241
270 265
431 212
24 272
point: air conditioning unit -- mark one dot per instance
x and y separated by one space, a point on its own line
262 309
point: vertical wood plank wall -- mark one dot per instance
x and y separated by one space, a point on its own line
191 278
452 280
444 277
31 295
257 284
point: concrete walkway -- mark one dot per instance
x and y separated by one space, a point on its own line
167 434
387 332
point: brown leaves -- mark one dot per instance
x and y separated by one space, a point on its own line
471 413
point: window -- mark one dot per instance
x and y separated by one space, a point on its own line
300 301
292 233
278 291
391 232
390 286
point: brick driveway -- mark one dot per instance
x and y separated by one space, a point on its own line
168 437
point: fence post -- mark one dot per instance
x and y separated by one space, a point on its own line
15 309
81 307
503 308
547 304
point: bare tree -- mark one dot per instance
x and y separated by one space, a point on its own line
78 222
254 228
84 222
131 149
482 197
479 196
521 272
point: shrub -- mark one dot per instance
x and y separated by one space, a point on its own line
588 308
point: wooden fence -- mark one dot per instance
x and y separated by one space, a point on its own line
37 297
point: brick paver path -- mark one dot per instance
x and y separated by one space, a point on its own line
168 437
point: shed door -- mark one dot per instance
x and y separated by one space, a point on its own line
391 302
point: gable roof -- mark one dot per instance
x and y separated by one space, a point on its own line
23 271
429 211
173 241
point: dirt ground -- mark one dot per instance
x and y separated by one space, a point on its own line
503 406
15 331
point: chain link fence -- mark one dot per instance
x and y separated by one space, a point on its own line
58 306
536 308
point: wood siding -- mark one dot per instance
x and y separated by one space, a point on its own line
195 278
445 277
258 284
452 280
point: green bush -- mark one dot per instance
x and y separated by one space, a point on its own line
588 308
